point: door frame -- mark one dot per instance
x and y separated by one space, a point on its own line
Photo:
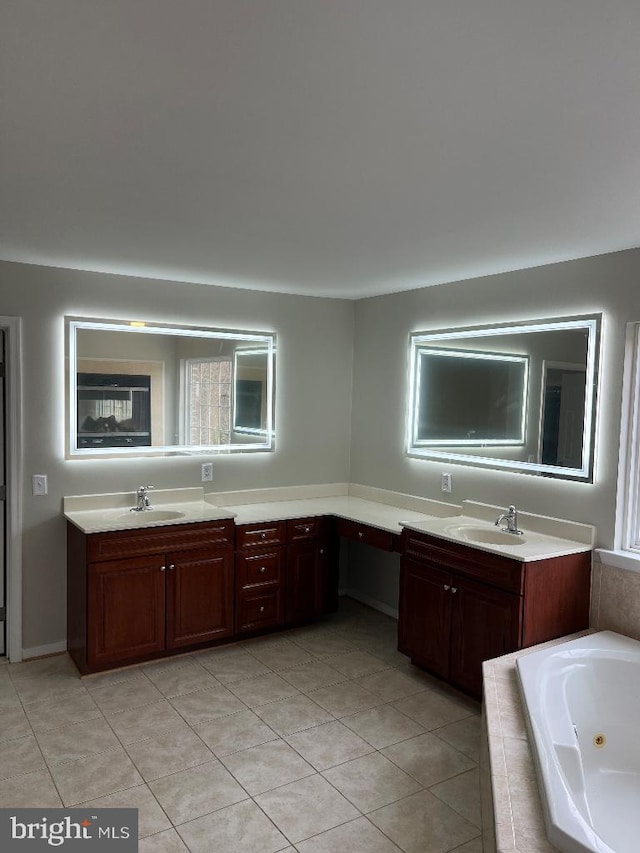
12 327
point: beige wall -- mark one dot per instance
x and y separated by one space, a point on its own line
315 341
608 283
325 433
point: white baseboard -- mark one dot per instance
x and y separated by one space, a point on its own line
44 651
371 602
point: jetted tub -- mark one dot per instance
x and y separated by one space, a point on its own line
582 704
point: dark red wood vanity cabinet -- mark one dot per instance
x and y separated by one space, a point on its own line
260 558
138 594
312 567
460 606
287 572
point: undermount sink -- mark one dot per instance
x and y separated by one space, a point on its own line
153 515
484 535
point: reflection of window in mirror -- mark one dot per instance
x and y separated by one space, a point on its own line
206 392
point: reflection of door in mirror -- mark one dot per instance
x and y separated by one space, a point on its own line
250 389
563 414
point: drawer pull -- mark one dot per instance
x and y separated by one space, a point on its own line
454 589
322 550
262 570
262 608
360 534
446 587
307 530
263 535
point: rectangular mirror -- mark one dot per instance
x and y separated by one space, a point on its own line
520 397
142 389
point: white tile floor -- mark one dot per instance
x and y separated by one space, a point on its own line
315 740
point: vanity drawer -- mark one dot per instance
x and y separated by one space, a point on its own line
304 528
373 536
259 609
262 567
253 535
159 540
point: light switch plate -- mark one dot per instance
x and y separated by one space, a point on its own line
39 485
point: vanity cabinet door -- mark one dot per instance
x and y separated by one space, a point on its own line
328 571
424 624
303 581
199 597
485 623
126 603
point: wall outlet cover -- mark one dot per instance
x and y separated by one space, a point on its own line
206 472
445 483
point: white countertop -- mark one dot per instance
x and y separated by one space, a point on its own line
528 547
543 537
383 516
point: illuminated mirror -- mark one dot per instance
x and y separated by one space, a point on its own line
144 389
520 397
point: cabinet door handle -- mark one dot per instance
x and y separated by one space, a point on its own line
262 608
307 530
322 550
262 570
163 568
454 589
171 567
263 535
446 587
360 534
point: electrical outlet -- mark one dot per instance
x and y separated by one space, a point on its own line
206 472
445 482
39 484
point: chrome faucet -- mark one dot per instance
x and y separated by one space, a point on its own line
142 499
511 517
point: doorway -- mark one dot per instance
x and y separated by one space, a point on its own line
10 490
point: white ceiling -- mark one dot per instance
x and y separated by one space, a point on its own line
328 147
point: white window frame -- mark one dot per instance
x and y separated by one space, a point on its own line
630 446
626 550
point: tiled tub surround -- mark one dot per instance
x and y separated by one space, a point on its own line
319 739
512 818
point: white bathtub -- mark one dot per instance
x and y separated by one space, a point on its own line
582 704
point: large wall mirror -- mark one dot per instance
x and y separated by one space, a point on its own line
520 397
147 388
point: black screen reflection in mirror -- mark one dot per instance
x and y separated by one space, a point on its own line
141 389
517 396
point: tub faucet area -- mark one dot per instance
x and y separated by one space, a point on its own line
511 517
142 499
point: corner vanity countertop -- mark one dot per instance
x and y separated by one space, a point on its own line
105 513
382 516
390 511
